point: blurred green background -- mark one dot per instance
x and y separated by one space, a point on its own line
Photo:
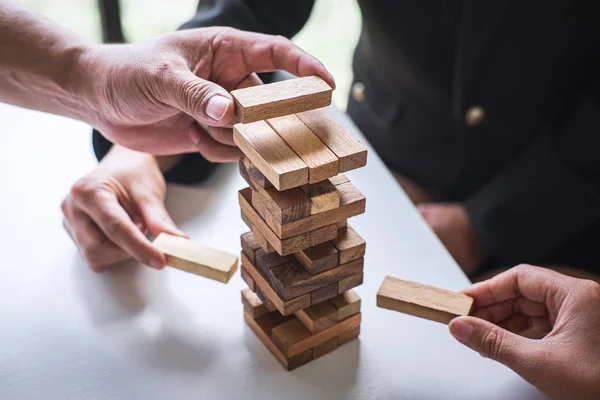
330 34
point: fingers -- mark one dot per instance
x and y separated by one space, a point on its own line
118 227
156 217
220 135
249 81
501 311
211 149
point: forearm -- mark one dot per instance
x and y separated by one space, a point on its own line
41 64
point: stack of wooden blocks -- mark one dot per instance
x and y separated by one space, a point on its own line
301 259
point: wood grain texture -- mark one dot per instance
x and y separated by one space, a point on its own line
323 294
291 279
346 305
350 282
276 99
351 153
349 244
422 300
262 241
249 245
319 317
264 299
325 348
321 161
319 258
284 307
182 253
339 179
253 305
352 203
291 339
247 278
248 169
349 335
271 155
323 196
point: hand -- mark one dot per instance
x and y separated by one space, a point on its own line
155 96
451 224
108 212
564 364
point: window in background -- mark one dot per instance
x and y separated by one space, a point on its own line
330 34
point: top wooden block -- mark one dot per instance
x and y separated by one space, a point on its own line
277 99
422 301
188 256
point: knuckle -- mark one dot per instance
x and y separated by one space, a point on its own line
195 92
114 226
492 343
83 188
64 205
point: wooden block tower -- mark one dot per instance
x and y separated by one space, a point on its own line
301 259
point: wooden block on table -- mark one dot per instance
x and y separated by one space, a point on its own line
349 244
325 293
351 153
247 278
346 305
350 282
284 307
325 348
292 337
422 300
261 240
288 245
323 196
291 279
188 256
271 155
349 335
321 162
253 305
276 99
319 317
319 258
249 245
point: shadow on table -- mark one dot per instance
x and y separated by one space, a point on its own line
158 334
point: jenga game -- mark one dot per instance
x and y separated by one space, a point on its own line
301 259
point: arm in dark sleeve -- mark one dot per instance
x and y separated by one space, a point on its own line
548 195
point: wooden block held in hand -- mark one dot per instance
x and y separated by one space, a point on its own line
318 258
253 305
276 99
349 244
422 300
351 153
321 162
319 317
271 155
323 196
188 256
346 304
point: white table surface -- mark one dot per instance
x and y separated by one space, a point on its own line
137 333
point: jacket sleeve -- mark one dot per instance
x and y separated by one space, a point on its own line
264 16
548 194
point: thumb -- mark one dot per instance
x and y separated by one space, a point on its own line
157 219
205 101
493 342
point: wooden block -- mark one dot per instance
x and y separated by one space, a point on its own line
341 224
323 196
319 317
352 203
323 294
321 162
249 245
267 261
284 307
350 152
339 179
264 299
263 243
253 305
286 246
249 171
325 348
247 278
258 327
290 337
422 301
346 305
291 280
318 258
188 256
349 335
350 282
271 155
276 99
349 244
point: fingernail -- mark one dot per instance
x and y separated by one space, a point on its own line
156 263
217 107
461 330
